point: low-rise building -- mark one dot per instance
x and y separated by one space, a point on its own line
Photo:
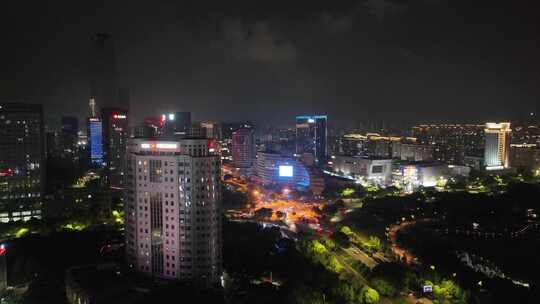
372 169
411 176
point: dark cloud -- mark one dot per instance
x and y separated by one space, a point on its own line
382 8
257 42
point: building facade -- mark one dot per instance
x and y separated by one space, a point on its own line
272 168
525 157
115 132
451 142
22 161
69 135
243 148
412 152
311 137
95 142
176 123
173 210
375 170
496 151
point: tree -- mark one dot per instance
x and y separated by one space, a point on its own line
346 230
306 295
384 287
334 265
341 239
369 295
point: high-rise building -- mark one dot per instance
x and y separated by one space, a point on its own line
22 161
211 129
68 135
496 152
95 142
311 137
173 210
243 148
102 70
227 128
177 123
94 136
53 145
115 132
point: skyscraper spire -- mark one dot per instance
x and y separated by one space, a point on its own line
92 104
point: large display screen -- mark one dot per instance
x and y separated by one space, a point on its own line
96 148
285 171
377 169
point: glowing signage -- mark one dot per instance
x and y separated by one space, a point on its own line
119 116
311 120
166 146
159 145
286 171
2 249
171 116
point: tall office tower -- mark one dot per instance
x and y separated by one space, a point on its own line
173 210
227 128
311 137
177 124
22 161
115 132
496 154
53 146
243 148
69 135
451 142
144 131
94 137
102 70
211 129
196 131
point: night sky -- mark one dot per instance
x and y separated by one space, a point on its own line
266 61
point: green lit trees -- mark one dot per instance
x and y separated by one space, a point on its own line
319 254
369 295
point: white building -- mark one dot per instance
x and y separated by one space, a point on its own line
173 218
427 174
496 152
375 170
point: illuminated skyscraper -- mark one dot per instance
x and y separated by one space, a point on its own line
173 210
22 161
497 146
95 137
311 137
115 135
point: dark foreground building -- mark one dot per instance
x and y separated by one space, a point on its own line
22 161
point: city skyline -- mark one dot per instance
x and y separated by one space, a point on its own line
239 152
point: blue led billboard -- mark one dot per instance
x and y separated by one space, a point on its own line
95 142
